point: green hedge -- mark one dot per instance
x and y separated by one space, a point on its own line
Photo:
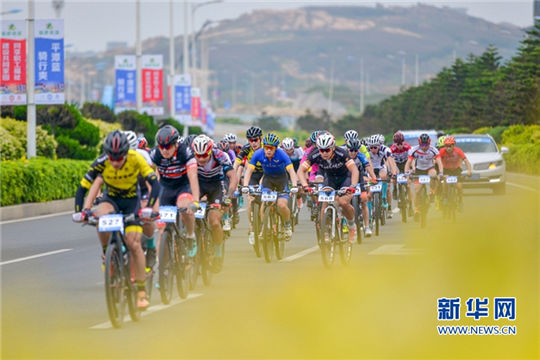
13 140
524 144
39 180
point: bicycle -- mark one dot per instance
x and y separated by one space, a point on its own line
120 285
450 197
377 213
255 217
404 202
422 199
330 230
358 217
173 259
293 207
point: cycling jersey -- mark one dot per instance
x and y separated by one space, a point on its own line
173 171
245 156
278 164
454 160
379 159
314 167
232 155
142 182
336 166
424 159
400 155
361 162
216 168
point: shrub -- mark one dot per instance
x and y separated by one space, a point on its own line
39 180
524 144
495 132
86 133
98 111
63 116
17 112
71 149
13 143
140 123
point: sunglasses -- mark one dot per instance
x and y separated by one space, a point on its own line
423 144
202 156
355 150
254 140
165 147
325 150
449 146
118 158
374 147
269 148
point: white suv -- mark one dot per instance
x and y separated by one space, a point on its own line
488 166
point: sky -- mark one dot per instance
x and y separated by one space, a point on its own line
89 25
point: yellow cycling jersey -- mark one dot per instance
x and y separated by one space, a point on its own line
244 157
364 150
121 182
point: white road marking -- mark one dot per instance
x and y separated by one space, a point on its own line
151 309
34 256
35 217
300 254
394 249
523 187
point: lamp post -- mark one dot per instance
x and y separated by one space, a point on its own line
138 54
171 60
30 83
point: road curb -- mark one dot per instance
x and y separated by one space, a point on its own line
14 212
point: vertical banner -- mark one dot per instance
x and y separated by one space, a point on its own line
126 83
49 60
13 54
210 121
182 93
152 84
196 105
203 113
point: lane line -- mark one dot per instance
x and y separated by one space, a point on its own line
35 217
523 187
150 310
394 249
300 254
34 256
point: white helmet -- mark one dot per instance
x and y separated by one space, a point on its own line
326 141
351 134
230 137
202 144
132 139
287 144
373 140
380 138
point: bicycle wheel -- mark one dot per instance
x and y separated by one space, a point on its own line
345 247
131 293
279 241
452 203
206 254
182 267
424 203
291 211
358 219
376 212
268 235
327 243
114 285
256 222
196 260
167 266
403 202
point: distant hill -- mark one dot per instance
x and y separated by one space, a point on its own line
271 56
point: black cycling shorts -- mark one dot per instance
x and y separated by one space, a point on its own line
169 196
213 190
277 183
337 182
255 178
124 206
452 172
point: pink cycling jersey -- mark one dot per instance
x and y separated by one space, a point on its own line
314 167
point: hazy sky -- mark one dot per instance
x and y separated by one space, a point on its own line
89 25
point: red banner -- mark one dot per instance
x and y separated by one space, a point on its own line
195 103
152 84
203 115
13 53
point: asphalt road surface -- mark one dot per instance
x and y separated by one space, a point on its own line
384 305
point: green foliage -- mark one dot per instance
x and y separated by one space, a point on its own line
195 130
268 123
140 123
17 112
71 149
98 111
458 130
62 116
13 143
86 133
39 180
524 145
495 132
310 122
173 123
234 121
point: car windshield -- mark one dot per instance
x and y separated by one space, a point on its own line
413 140
476 144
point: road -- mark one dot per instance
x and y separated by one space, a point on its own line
383 305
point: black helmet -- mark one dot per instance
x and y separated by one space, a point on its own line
116 144
254 132
353 144
424 139
167 135
189 140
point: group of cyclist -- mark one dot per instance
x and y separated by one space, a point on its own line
180 172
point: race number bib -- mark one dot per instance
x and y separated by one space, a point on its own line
269 196
114 222
168 213
424 179
401 179
375 188
324 197
451 179
199 214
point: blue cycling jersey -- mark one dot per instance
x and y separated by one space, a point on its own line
278 165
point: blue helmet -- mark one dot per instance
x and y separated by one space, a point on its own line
271 140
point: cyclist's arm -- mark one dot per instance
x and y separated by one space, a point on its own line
302 171
392 164
292 174
355 174
439 162
152 179
247 174
93 193
193 180
408 164
233 182
469 168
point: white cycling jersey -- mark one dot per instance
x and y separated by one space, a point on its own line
424 159
378 160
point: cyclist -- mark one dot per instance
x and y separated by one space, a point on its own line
421 158
451 158
383 163
312 170
213 166
178 178
254 136
335 165
364 166
294 153
400 153
275 164
224 146
142 143
232 140
119 168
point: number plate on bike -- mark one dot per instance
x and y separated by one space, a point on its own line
401 179
358 191
168 213
424 179
269 196
327 197
451 179
114 222
199 214
375 188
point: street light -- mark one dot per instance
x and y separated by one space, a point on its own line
12 11
194 8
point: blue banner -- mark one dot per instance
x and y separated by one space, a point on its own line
125 83
108 98
182 99
49 61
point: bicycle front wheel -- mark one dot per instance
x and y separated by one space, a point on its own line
279 242
327 241
256 222
268 236
115 285
167 269
182 267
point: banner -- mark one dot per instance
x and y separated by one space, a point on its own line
107 97
13 54
49 61
210 121
125 83
152 84
182 93
195 103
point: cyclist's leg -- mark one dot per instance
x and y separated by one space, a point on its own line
183 200
434 181
106 206
214 193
